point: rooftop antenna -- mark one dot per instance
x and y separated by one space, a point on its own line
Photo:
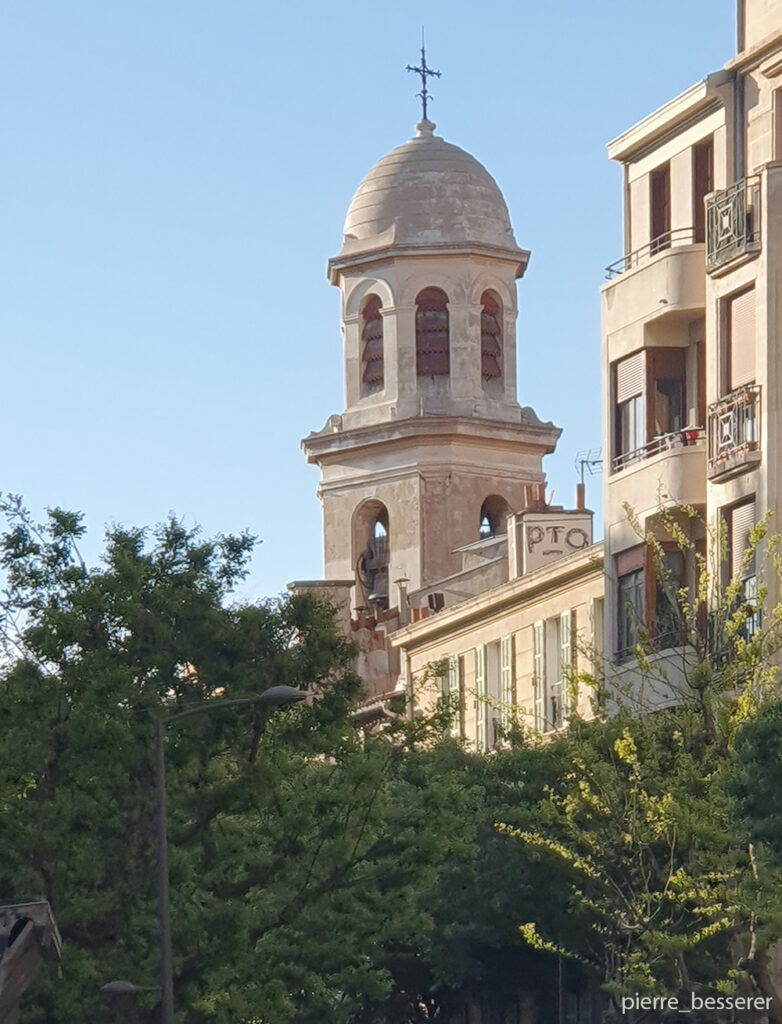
589 461
425 73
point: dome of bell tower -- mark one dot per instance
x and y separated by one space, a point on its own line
427 192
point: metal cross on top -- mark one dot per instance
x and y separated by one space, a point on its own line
425 73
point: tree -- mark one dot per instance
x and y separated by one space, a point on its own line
294 845
666 894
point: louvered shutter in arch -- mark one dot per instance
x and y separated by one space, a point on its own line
372 338
630 377
432 341
742 519
491 337
741 331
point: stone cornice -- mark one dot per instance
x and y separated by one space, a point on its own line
531 437
337 264
747 60
695 102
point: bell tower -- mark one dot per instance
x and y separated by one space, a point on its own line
432 448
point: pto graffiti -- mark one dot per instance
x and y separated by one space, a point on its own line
575 538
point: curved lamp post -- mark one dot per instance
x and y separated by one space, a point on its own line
274 697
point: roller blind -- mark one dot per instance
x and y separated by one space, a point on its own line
741 328
630 377
742 519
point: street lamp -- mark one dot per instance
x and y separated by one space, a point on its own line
274 697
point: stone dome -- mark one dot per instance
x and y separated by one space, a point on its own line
427 192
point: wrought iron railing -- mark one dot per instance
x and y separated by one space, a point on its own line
668 240
732 222
687 438
734 429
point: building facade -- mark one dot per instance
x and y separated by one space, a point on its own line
691 327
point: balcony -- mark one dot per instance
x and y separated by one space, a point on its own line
663 281
671 239
734 432
732 223
688 438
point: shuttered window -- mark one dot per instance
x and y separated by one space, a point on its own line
432 343
741 521
539 674
630 377
481 707
506 681
741 339
454 685
491 337
372 346
567 621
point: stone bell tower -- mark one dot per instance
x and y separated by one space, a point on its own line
432 450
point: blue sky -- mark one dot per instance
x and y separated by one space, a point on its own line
175 175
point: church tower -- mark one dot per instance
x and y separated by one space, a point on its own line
432 450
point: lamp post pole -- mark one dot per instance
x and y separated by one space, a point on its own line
275 696
163 900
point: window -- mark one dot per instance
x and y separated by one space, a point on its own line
494 512
372 346
668 621
492 665
450 689
702 184
371 535
567 632
629 430
480 700
539 674
432 342
660 209
559 697
630 598
739 522
491 337
739 356
507 695
666 366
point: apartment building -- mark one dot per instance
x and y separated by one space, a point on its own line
691 330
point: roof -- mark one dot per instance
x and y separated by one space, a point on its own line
427 192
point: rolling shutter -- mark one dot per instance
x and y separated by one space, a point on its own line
742 519
741 331
629 377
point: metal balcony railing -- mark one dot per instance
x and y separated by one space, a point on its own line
669 240
732 222
734 430
687 438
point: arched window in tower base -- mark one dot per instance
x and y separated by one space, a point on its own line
494 513
371 548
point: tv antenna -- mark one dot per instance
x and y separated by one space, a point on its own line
589 461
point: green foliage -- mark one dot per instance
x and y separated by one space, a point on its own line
295 847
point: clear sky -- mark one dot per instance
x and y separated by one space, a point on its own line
175 174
